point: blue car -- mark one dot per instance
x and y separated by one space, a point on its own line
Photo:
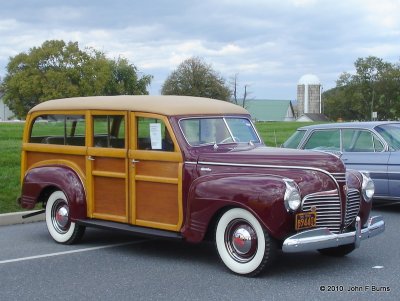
365 146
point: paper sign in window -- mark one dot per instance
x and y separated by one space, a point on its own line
155 135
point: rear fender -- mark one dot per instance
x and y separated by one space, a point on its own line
40 181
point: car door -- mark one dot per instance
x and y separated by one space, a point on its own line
107 166
155 173
362 150
394 175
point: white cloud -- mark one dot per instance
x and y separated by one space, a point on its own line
384 13
62 13
304 3
8 24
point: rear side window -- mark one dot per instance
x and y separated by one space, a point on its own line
58 129
109 131
355 140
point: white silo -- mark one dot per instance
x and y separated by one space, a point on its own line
309 94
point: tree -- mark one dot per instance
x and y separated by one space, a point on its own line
59 70
241 101
124 79
374 88
194 77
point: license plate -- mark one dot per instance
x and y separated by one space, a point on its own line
306 220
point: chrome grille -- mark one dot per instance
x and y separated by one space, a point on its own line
352 206
340 177
327 205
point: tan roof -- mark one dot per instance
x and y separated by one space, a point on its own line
165 105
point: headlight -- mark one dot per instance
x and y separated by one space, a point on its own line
292 196
368 187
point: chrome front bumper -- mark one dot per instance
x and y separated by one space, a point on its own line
322 238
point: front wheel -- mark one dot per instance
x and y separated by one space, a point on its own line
242 243
338 251
59 222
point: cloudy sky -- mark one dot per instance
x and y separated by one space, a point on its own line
270 44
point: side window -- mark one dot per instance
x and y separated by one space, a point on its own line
59 129
379 147
153 135
109 131
355 140
324 140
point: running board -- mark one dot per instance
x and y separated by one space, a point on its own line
33 213
96 223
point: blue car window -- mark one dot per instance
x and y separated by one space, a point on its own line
391 133
294 140
358 140
379 147
324 140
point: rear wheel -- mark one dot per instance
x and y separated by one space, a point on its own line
59 222
242 243
338 251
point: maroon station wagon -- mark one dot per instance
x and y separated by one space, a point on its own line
188 168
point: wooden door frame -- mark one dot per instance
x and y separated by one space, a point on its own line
147 155
108 153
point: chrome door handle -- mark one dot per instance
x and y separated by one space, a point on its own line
90 158
135 161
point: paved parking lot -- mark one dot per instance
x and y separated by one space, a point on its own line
115 266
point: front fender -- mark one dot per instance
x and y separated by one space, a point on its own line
49 178
261 194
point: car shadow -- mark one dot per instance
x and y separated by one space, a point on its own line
182 253
386 206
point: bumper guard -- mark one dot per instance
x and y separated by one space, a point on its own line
322 238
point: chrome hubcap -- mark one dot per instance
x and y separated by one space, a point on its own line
60 216
241 240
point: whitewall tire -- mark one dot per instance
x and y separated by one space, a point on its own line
58 220
242 243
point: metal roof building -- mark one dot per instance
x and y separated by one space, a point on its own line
270 110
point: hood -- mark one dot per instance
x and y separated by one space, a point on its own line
263 155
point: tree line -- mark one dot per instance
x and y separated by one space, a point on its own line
58 69
375 87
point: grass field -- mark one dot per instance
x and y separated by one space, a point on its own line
10 156
273 133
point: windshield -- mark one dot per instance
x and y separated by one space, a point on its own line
391 134
219 130
294 140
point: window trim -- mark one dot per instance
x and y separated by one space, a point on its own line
90 127
31 122
133 132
